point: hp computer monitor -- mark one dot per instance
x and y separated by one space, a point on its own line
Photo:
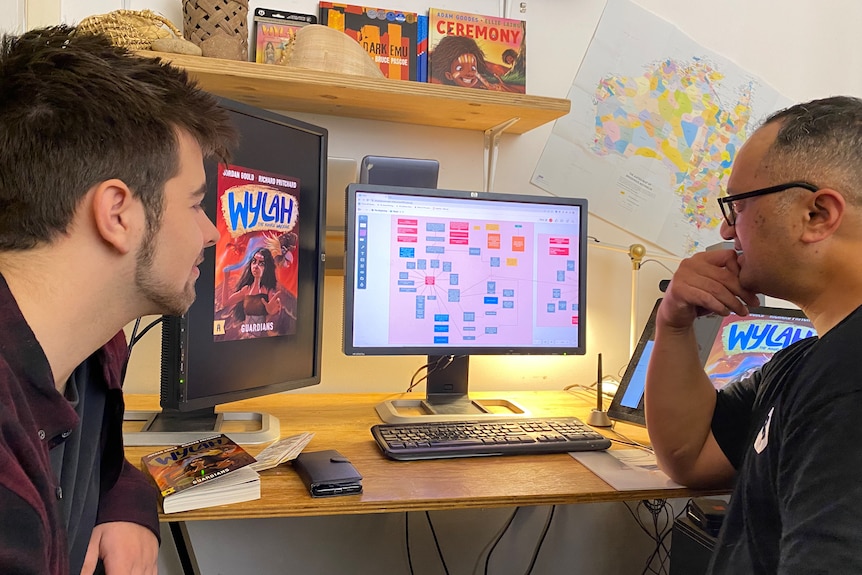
255 326
450 274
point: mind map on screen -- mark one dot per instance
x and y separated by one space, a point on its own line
472 281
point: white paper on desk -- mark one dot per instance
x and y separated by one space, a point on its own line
281 451
626 469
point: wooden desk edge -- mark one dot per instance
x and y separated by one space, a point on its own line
346 507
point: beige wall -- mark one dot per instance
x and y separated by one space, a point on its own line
42 12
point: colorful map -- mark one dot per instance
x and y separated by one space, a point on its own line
655 125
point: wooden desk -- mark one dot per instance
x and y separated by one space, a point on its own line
342 422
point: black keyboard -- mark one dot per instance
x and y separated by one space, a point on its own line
470 438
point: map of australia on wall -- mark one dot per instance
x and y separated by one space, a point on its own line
655 125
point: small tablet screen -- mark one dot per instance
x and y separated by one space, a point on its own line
729 347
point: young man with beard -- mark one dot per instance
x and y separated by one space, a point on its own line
101 182
787 434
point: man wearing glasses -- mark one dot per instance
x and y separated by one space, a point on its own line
787 435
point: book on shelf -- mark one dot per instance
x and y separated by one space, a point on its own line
203 473
477 51
390 37
421 47
274 31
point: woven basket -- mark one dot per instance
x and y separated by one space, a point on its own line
132 29
203 19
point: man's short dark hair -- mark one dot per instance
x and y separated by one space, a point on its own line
75 110
820 142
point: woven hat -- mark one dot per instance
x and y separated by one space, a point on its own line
318 47
132 29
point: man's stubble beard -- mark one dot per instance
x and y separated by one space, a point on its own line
156 291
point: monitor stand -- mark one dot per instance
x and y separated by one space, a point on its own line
171 427
446 398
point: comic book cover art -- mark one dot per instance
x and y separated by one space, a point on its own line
274 31
743 344
176 469
477 51
389 36
257 254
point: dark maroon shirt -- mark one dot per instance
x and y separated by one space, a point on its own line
34 417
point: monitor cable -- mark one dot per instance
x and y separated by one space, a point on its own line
134 338
492 545
488 551
623 440
658 529
436 542
541 541
433 534
591 389
407 541
442 362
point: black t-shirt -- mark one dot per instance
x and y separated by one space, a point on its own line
791 432
77 462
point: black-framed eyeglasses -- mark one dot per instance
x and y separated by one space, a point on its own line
727 203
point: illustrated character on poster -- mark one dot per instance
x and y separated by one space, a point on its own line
509 57
256 297
284 246
458 61
209 461
203 463
257 255
269 53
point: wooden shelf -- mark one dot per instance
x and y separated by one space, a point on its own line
279 88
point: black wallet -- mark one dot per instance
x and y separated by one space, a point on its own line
327 473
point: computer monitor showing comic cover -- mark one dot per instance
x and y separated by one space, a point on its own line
451 273
729 348
255 327
740 345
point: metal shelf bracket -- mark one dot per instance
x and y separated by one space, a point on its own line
492 138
